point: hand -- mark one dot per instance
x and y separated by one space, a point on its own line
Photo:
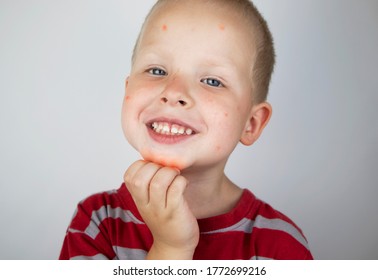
158 193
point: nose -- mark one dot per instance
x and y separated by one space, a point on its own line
176 93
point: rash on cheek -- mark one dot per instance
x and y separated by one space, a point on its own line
164 27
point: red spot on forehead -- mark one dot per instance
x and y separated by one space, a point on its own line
164 27
221 26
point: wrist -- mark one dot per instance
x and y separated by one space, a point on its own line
164 252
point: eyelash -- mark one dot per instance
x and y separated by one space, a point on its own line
208 81
153 71
212 82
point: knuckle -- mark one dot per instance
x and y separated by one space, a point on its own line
181 180
134 182
156 185
137 183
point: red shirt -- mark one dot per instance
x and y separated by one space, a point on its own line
108 226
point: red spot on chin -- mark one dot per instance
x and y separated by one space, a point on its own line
127 97
164 27
226 114
147 156
221 26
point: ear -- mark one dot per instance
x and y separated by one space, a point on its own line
258 119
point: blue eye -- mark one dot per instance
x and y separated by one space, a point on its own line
212 82
157 72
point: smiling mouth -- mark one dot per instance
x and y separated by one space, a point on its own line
171 129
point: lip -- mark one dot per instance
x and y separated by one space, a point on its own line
169 139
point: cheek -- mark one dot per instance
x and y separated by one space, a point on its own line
127 109
125 121
129 117
137 97
227 131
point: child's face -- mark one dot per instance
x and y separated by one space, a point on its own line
188 98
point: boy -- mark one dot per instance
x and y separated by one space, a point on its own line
199 79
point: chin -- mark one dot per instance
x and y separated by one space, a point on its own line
167 160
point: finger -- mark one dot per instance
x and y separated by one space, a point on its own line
175 193
139 180
132 170
159 186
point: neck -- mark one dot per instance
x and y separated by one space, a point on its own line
210 193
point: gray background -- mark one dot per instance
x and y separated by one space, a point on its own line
62 71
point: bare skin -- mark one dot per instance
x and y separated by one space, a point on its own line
159 193
178 83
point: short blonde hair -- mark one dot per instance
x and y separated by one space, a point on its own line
263 66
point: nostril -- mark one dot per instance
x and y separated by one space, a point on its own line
182 102
176 102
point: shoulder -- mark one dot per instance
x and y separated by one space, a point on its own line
97 207
275 235
98 200
116 198
99 227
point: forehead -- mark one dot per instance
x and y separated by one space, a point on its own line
199 23
185 12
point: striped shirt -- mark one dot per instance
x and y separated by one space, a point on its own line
108 226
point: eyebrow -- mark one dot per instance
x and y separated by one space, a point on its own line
154 54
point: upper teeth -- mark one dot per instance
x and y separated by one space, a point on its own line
174 129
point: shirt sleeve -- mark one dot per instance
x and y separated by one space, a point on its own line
86 237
